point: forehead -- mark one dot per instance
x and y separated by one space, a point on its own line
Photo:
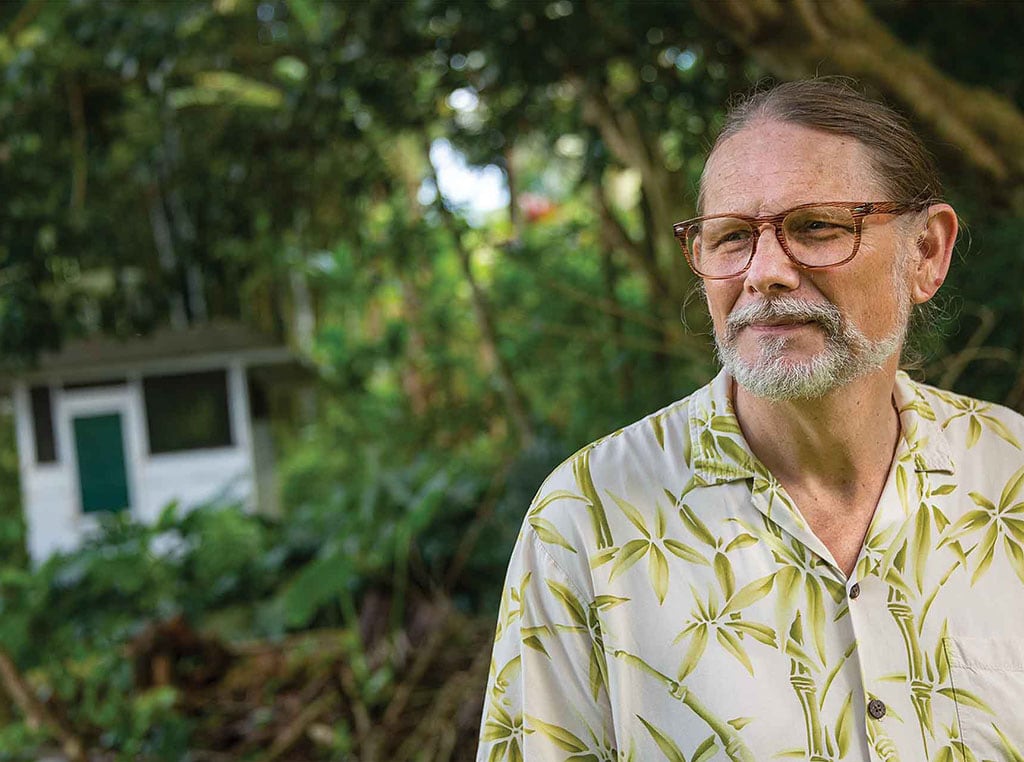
770 166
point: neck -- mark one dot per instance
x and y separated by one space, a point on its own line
842 443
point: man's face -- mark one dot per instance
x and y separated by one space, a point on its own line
784 332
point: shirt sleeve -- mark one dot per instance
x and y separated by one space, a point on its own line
547 691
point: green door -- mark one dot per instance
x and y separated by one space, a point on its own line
101 470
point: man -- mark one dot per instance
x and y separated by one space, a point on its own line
813 557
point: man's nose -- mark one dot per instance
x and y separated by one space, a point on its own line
771 270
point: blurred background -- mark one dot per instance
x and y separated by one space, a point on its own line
301 301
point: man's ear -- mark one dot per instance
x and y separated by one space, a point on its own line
934 252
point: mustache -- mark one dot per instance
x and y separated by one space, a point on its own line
825 314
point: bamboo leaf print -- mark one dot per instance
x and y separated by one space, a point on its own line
561 737
685 552
698 642
1000 430
986 552
657 570
605 602
573 606
740 722
973 432
667 745
631 513
749 594
724 573
816 615
558 494
1008 747
585 482
922 544
548 533
630 553
1016 557
732 644
964 698
1012 489
695 525
726 424
740 541
844 726
658 426
706 750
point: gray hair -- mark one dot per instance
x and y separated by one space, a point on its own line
900 160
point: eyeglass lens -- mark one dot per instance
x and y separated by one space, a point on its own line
816 236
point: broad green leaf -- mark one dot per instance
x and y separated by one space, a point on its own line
986 552
706 750
726 578
941 657
549 498
791 754
603 556
695 525
964 698
685 552
597 671
698 642
982 502
732 644
573 606
532 641
732 449
657 570
1016 557
493 731
561 737
585 482
632 514
750 593
658 426
498 752
629 554
667 745
605 602
1000 430
1012 489
816 615
759 632
741 541
549 533
726 424
973 432
1008 747
844 726
901 488
922 543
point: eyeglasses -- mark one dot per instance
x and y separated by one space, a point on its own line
816 235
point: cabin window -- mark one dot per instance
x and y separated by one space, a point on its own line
187 411
42 425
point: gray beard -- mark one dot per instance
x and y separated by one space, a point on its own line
848 353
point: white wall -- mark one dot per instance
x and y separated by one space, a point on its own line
52 504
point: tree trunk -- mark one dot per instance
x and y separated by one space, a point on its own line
795 39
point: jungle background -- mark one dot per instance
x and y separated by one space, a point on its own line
169 162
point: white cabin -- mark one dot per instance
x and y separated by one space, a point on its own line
107 425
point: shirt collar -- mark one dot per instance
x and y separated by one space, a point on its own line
720 453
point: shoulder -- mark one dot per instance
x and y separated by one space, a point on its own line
576 510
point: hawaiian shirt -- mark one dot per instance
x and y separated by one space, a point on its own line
666 600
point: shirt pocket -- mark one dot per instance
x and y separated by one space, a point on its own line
987 680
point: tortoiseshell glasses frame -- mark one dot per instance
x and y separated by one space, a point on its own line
858 211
